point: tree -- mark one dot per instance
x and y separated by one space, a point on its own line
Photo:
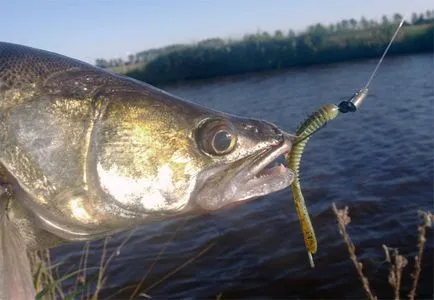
397 18
278 34
102 63
265 34
384 20
364 23
373 23
131 59
345 24
414 18
212 43
291 33
353 23
331 28
249 37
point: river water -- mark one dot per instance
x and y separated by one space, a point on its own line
378 162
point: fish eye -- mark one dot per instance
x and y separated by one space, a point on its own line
217 137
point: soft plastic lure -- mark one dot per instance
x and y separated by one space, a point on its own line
311 125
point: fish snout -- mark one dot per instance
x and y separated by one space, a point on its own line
265 131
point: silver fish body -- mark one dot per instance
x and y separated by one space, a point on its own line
85 153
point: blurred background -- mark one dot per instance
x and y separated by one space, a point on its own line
278 61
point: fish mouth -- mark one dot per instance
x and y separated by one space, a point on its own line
256 175
264 175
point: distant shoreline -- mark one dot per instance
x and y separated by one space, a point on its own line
345 41
271 72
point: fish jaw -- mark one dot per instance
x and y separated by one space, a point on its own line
251 179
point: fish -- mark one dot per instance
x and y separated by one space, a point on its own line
86 153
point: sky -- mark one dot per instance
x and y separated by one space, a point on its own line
92 29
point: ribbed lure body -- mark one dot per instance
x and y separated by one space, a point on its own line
312 124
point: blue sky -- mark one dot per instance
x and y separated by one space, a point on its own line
107 29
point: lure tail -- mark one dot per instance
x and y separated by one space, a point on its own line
16 281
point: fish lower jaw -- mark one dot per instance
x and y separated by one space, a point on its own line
258 177
235 192
267 181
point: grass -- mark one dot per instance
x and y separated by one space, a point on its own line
397 262
49 283
343 220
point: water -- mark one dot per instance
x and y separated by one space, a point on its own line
378 161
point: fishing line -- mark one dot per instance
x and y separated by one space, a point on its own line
384 53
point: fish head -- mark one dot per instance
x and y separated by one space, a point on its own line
242 161
162 155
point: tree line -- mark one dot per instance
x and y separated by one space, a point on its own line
344 40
